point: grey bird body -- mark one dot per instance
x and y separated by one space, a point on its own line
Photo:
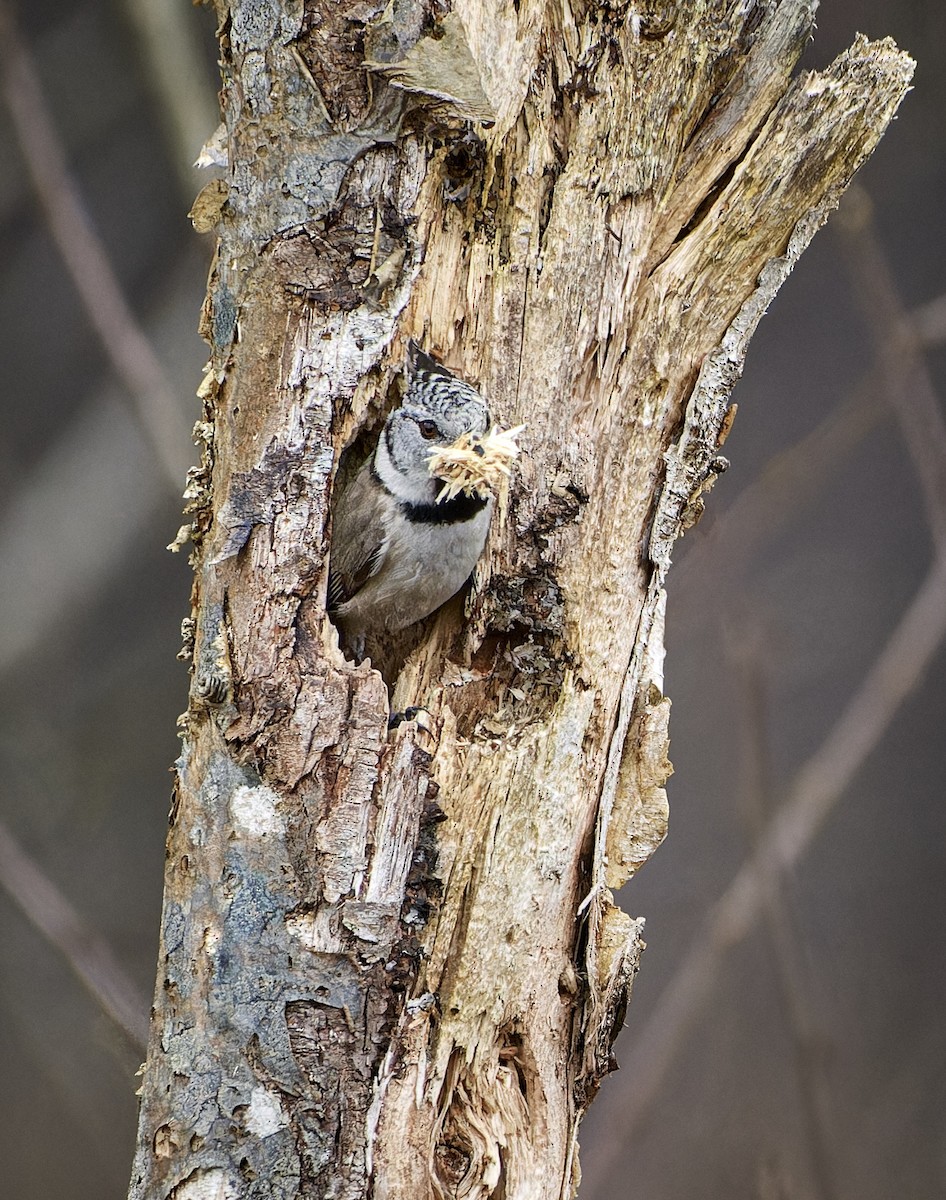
398 554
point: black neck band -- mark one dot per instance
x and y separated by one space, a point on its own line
448 512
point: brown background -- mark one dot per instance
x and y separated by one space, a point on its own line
772 626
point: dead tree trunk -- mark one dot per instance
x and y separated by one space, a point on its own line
390 964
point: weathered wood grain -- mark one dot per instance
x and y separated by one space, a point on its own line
391 964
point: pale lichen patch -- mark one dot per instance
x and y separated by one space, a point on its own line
254 811
264 1116
212 1184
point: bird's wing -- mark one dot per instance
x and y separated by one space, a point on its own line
359 537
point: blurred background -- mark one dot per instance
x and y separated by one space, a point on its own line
785 1045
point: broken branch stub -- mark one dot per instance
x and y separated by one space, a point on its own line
391 963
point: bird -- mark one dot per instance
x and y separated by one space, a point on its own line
401 547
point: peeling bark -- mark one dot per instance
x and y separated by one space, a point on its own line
390 963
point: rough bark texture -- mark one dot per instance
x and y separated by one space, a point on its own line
390 963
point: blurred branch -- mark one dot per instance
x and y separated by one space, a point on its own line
789 481
167 34
127 347
929 320
816 791
792 480
781 925
87 525
87 954
904 375
64 532
823 780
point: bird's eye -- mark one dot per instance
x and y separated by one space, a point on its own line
428 430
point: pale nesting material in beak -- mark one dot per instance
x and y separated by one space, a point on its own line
475 465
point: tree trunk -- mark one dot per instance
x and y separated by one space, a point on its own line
390 963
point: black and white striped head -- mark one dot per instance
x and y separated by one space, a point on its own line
437 409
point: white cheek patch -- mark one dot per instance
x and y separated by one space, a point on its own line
413 486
